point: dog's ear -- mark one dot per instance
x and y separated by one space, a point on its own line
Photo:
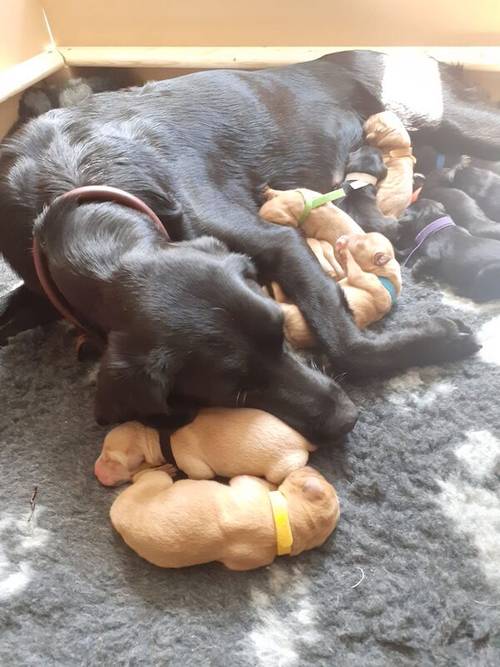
132 383
381 259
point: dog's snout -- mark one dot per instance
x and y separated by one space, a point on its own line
347 418
344 416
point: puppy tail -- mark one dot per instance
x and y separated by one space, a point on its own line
486 286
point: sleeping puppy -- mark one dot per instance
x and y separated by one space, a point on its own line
386 132
369 298
460 206
220 441
243 525
323 223
481 184
469 264
327 228
429 159
367 163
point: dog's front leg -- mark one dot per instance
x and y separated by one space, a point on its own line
281 255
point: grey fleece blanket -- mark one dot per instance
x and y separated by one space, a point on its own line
410 577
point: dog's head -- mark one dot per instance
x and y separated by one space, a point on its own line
415 218
199 331
367 160
313 508
126 449
374 253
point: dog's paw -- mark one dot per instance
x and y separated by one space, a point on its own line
453 340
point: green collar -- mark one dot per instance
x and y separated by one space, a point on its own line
389 287
309 204
343 191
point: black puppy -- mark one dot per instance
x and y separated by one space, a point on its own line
468 264
361 204
462 207
481 184
429 159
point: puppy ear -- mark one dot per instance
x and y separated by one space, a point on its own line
313 489
131 384
381 259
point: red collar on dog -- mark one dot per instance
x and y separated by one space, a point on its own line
86 193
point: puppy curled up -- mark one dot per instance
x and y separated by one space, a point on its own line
364 263
220 441
368 298
386 132
243 525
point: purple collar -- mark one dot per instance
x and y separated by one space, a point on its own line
429 230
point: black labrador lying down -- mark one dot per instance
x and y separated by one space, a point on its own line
468 264
185 322
460 206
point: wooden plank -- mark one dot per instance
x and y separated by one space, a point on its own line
195 57
276 22
485 59
15 79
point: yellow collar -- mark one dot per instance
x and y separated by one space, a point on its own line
284 537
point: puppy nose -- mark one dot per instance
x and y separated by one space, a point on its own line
346 418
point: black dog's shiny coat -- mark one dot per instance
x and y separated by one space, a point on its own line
460 206
186 323
468 264
361 204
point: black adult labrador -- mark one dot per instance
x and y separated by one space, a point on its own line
185 322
